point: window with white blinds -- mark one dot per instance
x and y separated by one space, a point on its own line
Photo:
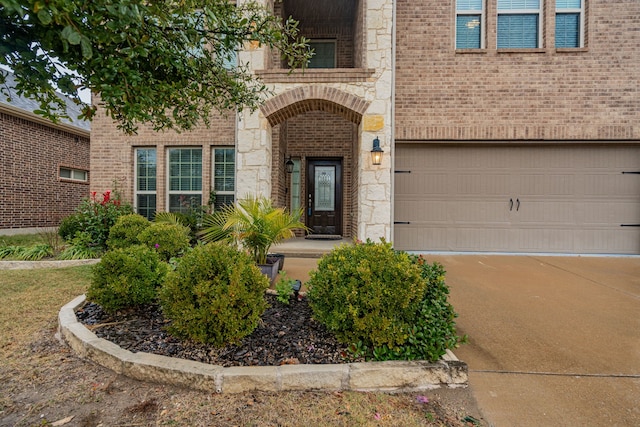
569 23
469 24
519 24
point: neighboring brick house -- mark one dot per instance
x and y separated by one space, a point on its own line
44 167
506 125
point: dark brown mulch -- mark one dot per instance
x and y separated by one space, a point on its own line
287 334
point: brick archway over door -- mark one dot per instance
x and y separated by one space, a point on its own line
314 98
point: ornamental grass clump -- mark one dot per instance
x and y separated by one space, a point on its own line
126 278
216 295
385 304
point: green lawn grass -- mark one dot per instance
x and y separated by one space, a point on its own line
23 239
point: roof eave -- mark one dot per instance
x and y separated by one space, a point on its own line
27 115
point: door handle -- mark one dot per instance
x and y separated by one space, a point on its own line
510 204
517 205
309 206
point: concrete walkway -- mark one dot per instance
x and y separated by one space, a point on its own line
554 341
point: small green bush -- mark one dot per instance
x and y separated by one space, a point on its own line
434 328
95 217
216 295
126 278
367 293
169 240
125 231
69 226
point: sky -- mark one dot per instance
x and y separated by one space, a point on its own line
85 94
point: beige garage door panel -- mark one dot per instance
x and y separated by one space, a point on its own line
570 199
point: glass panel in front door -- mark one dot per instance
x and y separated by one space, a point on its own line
325 189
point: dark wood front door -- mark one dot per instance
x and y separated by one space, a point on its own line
324 196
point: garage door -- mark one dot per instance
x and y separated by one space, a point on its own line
568 199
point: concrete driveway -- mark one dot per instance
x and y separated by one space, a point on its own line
554 341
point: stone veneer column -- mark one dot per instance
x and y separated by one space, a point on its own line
374 187
254 145
253 136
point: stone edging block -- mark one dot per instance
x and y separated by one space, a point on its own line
367 376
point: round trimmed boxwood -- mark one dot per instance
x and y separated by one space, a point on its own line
367 293
169 240
216 295
126 277
125 231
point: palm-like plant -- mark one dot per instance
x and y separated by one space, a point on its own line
253 224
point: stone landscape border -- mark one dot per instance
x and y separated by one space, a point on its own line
392 376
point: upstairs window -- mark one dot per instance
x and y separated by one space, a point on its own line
469 24
569 23
324 54
519 24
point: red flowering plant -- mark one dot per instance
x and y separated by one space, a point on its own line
94 218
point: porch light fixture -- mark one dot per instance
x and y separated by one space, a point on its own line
376 152
288 165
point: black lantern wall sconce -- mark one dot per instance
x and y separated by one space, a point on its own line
288 165
376 152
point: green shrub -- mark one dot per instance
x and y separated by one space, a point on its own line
169 240
95 217
284 288
125 231
434 328
367 293
126 278
192 219
216 295
69 226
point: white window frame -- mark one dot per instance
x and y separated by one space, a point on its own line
77 175
170 192
539 12
482 24
580 11
213 171
136 191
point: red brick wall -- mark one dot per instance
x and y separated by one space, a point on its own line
570 94
343 32
31 194
318 134
112 152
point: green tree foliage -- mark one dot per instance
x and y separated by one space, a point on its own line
164 62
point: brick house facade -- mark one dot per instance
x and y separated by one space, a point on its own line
44 167
506 126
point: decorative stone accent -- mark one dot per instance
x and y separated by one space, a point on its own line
372 123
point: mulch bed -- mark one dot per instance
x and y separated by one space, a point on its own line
287 334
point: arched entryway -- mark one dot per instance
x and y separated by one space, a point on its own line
317 130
